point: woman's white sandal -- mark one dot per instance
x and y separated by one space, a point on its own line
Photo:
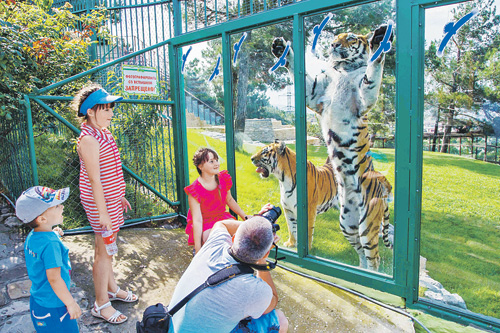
113 319
128 299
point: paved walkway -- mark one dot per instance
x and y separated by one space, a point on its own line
150 262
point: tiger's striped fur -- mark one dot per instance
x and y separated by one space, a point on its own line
341 96
279 160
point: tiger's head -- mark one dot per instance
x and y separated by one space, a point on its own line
269 160
350 48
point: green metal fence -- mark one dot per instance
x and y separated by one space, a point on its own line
144 134
15 166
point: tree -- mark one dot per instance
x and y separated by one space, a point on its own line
462 78
39 48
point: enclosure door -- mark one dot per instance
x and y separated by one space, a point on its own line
460 261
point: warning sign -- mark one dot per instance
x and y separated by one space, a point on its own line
140 80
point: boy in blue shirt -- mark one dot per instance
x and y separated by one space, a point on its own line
52 307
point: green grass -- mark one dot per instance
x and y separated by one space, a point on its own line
461 228
460 218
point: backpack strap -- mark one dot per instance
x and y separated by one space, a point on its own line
215 279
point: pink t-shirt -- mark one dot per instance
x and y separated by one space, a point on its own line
212 203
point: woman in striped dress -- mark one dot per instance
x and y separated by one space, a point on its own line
102 192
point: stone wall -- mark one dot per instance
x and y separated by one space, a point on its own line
260 130
268 130
193 121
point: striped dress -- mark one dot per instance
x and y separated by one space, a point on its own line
113 185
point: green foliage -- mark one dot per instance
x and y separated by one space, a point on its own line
45 5
313 129
40 48
58 166
491 73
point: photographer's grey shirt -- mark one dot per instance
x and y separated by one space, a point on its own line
217 309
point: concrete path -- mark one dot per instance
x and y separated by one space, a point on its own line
150 262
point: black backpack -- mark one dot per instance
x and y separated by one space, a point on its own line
157 318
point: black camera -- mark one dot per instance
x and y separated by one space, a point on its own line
272 215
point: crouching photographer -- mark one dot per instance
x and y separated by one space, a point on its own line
245 303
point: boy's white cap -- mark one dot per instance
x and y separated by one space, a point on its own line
36 200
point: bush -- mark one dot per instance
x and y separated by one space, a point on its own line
40 48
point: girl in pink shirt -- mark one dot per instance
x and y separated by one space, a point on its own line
208 196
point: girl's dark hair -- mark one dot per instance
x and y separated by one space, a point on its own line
201 156
82 95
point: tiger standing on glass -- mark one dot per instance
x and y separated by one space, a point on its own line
342 95
102 192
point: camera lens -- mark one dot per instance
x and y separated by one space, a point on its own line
273 214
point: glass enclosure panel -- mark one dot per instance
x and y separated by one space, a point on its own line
204 98
460 261
264 111
350 94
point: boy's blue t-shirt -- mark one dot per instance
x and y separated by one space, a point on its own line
44 250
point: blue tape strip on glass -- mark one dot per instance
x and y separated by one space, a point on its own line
282 60
450 29
216 70
317 31
184 58
237 47
386 44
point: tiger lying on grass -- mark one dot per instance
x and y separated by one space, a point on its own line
279 160
342 95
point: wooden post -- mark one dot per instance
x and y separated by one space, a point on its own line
460 147
476 150
496 149
485 147
472 145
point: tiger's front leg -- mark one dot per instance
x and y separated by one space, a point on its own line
311 216
372 80
291 220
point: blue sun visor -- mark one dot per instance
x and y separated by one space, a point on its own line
100 96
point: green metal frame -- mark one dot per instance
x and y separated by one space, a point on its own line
31 140
39 100
409 133
415 27
39 96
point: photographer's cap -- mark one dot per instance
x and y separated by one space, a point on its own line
36 200
100 96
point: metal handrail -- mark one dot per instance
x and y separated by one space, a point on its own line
205 104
